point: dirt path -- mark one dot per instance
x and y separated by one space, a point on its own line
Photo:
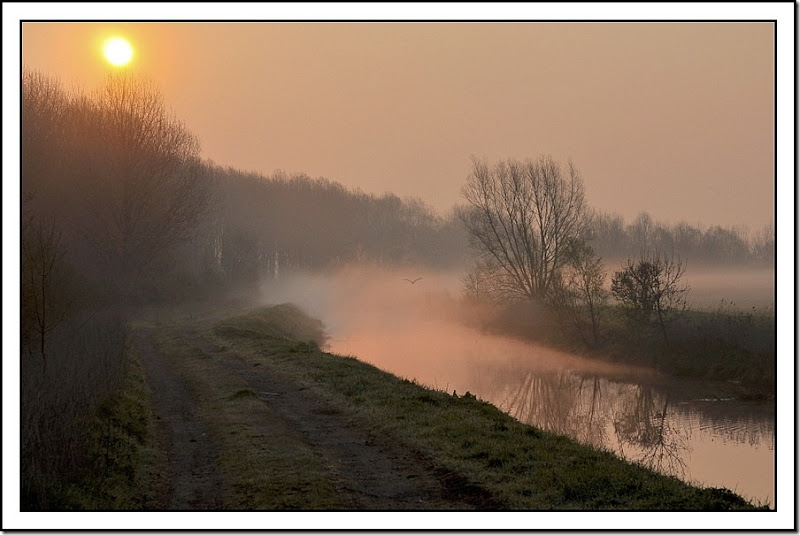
193 477
368 471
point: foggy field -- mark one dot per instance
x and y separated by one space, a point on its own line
741 286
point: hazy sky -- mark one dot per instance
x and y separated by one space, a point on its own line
676 119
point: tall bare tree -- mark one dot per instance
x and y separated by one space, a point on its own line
46 280
148 188
521 217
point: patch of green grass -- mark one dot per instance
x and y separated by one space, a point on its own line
264 464
284 321
521 467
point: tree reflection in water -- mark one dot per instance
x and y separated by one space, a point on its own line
584 408
642 422
559 402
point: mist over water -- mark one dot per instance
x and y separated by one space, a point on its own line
423 331
375 313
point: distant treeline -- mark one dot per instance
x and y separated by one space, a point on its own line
118 183
269 226
612 238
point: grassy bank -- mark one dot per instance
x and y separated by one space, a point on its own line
510 465
723 343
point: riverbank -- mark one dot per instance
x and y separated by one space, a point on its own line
733 347
278 424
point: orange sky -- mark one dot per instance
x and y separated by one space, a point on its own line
676 119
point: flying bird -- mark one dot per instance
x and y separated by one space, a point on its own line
415 280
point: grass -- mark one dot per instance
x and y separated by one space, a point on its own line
264 465
62 409
728 344
476 450
126 467
515 466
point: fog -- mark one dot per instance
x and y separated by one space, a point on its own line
744 287
427 330
423 331
675 119
335 153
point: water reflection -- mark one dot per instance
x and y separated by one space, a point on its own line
656 425
586 407
642 422
560 402
676 427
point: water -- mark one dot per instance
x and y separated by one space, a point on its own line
680 428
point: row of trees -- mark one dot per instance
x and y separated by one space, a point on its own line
137 212
265 227
613 238
111 187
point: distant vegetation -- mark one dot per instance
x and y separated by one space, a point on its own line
120 212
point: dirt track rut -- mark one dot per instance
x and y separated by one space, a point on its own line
193 477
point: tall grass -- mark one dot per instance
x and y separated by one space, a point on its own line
724 343
85 365
727 343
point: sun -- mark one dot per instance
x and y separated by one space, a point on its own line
118 51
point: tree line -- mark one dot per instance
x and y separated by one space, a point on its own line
270 226
612 237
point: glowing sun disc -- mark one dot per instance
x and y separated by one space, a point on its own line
118 51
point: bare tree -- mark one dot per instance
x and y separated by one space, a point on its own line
651 287
579 295
46 296
520 217
44 108
479 284
148 189
642 233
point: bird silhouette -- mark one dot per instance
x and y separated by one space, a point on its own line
415 280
